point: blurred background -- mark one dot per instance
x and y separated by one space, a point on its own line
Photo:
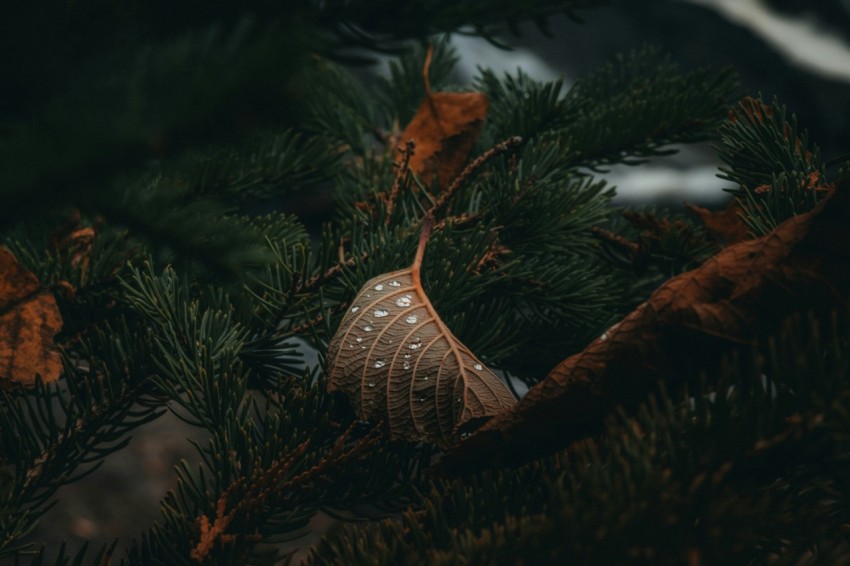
796 51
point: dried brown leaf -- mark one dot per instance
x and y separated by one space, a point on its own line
445 128
29 319
724 225
688 324
396 360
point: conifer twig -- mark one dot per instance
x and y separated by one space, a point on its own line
470 170
615 239
400 175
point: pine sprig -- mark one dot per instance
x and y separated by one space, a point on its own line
522 106
271 165
639 105
779 172
55 435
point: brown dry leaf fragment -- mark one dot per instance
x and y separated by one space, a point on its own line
445 128
29 319
687 325
396 360
724 225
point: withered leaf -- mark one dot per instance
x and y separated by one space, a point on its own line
396 360
688 324
29 319
445 128
724 225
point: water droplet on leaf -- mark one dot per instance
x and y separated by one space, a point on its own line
380 313
411 319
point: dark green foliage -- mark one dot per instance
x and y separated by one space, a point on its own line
55 434
94 93
145 191
512 270
779 173
746 468
634 107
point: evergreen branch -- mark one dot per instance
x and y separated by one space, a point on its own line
49 433
469 171
402 171
521 106
634 107
383 24
779 173
269 166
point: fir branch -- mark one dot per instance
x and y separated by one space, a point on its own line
779 173
469 171
52 432
268 166
640 104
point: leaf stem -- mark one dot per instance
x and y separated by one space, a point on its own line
427 226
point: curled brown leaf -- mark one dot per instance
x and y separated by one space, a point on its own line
687 325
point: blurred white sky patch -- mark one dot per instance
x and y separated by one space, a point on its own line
654 183
801 40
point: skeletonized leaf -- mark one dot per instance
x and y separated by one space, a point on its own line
29 319
396 359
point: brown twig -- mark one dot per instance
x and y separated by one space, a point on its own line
459 220
400 175
329 273
615 239
470 170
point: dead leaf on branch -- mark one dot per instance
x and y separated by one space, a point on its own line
396 360
724 225
29 319
688 324
445 128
